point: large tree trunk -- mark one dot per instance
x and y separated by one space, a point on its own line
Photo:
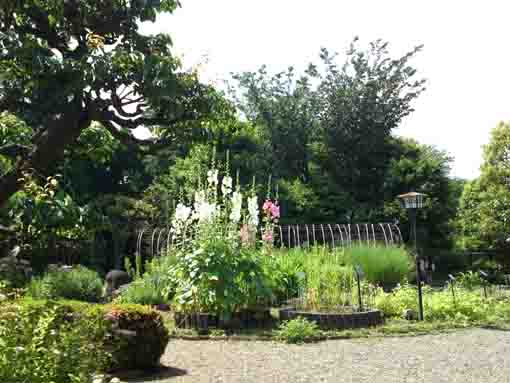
47 149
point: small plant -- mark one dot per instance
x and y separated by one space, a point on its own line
469 280
298 331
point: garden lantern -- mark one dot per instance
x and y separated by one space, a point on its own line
412 202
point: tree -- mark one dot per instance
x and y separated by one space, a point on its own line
360 104
422 168
67 63
282 106
485 214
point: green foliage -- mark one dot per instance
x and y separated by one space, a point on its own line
79 283
155 286
68 341
298 331
218 278
425 169
485 204
39 344
469 280
469 306
385 266
355 124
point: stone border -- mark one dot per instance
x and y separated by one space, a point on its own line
246 319
332 321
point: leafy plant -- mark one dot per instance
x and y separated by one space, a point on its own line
79 283
298 330
40 345
469 280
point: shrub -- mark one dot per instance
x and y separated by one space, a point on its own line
386 266
79 283
298 330
139 339
39 344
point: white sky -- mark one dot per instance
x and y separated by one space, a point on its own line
466 58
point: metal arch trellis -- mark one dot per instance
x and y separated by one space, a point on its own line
297 235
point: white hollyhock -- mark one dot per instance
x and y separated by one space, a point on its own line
226 185
212 177
182 212
253 211
206 211
237 203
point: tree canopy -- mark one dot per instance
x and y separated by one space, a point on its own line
65 64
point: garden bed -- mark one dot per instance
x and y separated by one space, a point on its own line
337 321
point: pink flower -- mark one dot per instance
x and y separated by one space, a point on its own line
267 236
275 211
267 205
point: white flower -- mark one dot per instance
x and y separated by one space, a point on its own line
237 202
182 212
212 177
226 185
253 211
200 196
204 211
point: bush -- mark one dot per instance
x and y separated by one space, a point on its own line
79 283
298 330
385 266
40 344
140 337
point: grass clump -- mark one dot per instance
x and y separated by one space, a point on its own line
384 266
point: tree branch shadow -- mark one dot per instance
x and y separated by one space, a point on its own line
153 375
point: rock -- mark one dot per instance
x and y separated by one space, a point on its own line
410 314
119 291
114 279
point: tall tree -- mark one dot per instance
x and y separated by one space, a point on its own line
67 63
361 103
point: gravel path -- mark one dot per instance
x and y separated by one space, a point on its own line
469 356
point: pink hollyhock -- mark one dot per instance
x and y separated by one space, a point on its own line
267 236
275 211
267 205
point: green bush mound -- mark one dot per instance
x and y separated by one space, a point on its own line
139 336
67 341
79 283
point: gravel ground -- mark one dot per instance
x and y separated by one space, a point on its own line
467 356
